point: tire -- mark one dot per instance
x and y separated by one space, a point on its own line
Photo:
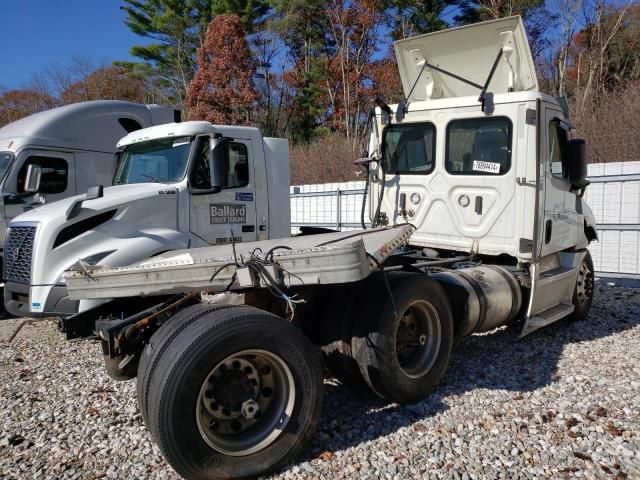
336 332
121 374
336 350
192 398
584 290
399 362
159 342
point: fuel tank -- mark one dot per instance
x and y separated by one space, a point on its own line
482 297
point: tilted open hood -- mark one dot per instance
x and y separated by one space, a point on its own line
468 52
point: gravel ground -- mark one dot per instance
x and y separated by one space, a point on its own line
564 402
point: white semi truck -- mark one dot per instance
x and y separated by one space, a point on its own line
475 191
70 149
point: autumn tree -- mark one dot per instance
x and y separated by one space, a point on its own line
106 83
354 31
605 54
385 78
176 29
222 90
16 104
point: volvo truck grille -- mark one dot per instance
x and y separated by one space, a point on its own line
18 250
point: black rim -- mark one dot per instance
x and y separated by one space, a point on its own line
418 339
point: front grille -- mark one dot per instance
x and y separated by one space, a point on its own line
18 250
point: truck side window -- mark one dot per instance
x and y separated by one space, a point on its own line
238 167
557 149
479 146
54 174
409 148
201 176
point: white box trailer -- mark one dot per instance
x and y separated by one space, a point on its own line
476 200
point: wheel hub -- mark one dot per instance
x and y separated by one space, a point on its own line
584 285
418 339
245 402
232 384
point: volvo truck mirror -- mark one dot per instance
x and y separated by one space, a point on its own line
219 163
32 181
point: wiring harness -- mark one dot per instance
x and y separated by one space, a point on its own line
262 266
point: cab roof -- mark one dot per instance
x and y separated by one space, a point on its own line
187 129
94 125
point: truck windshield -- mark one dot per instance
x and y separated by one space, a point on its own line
5 161
162 161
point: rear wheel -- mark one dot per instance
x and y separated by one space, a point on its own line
236 394
403 346
584 289
159 343
343 306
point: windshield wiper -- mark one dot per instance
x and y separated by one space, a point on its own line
153 179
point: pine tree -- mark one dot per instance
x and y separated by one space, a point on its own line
249 11
177 28
222 90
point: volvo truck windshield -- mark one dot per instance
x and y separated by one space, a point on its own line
161 161
5 160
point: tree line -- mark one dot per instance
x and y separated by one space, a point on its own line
308 69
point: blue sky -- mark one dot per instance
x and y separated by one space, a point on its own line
40 33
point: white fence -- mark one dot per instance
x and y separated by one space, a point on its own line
614 197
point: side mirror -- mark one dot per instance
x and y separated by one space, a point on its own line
577 163
94 192
219 163
32 180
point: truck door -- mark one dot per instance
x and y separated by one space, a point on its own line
555 267
559 229
57 180
213 216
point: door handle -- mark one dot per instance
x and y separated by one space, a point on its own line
479 205
547 231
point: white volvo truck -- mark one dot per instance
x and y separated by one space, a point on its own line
70 149
476 202
162 199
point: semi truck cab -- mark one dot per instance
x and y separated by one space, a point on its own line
479 160
69 148
177 185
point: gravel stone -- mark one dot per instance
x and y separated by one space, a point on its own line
564 402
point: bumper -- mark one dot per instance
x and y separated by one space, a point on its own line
17 301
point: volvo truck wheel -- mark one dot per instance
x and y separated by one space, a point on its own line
158 344
584 289
403 346
236 394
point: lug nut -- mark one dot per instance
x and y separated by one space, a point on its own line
250 409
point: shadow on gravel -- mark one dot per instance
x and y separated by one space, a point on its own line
496 361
